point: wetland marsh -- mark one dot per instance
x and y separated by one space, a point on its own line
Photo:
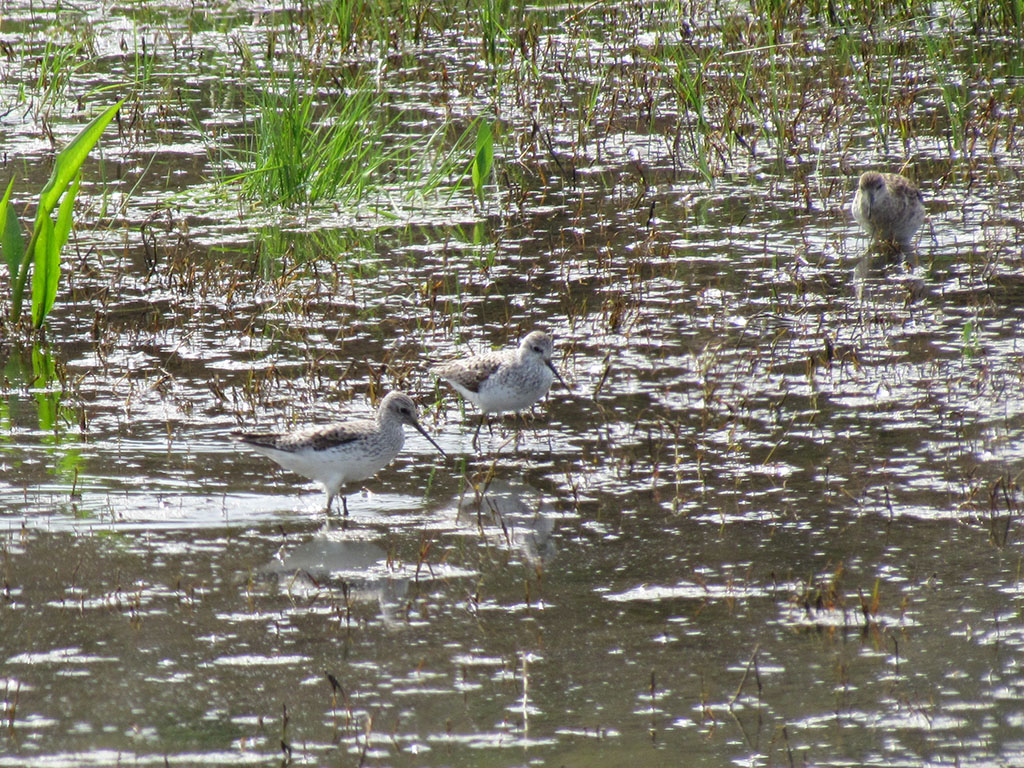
774 522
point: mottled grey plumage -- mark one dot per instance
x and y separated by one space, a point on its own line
346 452
510 380
888 206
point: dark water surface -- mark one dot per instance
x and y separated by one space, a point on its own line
775 522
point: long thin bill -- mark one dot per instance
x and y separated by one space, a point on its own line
558 376
423 432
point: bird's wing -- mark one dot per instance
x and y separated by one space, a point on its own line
470 373
317 438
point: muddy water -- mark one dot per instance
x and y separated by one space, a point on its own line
774 522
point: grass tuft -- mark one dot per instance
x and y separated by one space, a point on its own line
298 155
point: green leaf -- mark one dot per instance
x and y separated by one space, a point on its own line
63 226
484 158
52 275
45 271
70 160
10 234
65 169
46 267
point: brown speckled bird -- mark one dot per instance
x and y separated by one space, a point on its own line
888 206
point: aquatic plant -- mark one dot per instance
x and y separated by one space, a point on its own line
889 13
768 95
999 15
875 96
495 22
54 70
958 103
42 253
970 346
297 156
301 153
353 24
689 79
483 159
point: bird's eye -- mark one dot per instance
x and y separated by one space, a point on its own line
538 350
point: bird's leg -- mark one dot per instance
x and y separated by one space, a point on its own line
476 434
517 432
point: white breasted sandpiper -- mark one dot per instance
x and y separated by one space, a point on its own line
346 452
509 380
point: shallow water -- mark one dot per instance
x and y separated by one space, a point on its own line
774 522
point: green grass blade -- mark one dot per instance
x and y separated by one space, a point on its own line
70 160
484 158
45 271
10 234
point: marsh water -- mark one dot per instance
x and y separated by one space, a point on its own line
774 521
